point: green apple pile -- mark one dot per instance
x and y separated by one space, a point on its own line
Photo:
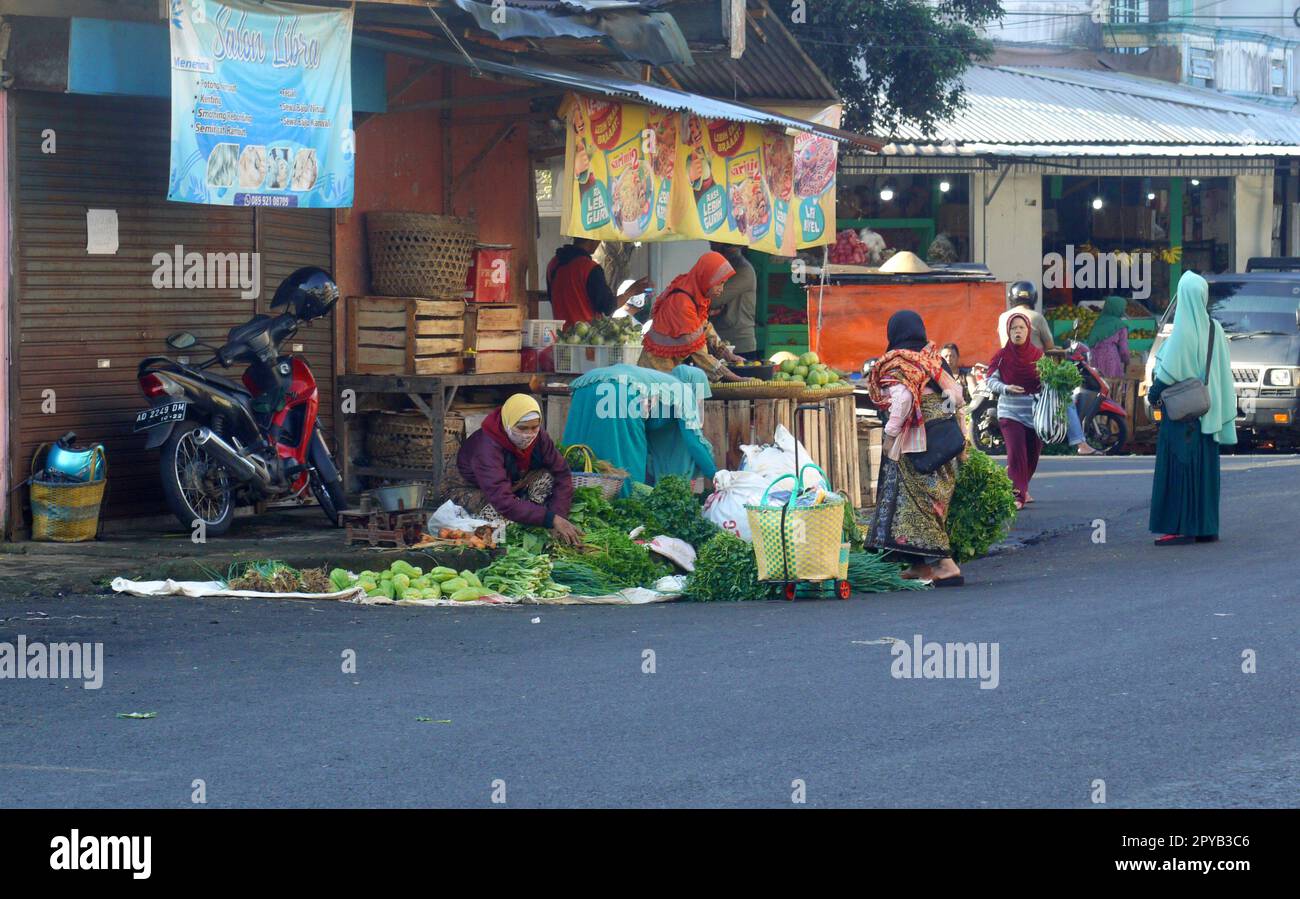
809 371
603 331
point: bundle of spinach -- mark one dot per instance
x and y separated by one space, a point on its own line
725 571
678 512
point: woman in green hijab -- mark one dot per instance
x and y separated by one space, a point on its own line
1108 339
1185 491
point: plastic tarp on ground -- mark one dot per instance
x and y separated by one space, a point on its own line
666 590
851 326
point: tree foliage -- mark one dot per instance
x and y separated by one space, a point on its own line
893 61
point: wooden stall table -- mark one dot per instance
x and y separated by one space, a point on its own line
432 395
827 426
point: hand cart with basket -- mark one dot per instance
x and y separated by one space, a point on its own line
798 544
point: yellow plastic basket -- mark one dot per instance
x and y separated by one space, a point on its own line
66 512
799 543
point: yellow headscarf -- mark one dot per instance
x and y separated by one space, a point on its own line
517 408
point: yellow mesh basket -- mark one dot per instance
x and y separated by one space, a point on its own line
799 543
65 512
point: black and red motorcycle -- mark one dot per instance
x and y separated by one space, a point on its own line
228 443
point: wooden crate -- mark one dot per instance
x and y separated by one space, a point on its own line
493 317
405 335
492 363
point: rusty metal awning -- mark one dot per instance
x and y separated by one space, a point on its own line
608 84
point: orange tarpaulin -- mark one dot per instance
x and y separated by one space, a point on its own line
853 318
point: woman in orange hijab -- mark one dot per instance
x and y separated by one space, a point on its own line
680 331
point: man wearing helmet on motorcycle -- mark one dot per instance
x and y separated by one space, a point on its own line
1022 299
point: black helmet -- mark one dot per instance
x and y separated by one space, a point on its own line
1022 292
310 292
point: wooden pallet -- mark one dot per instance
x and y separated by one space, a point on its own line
405 335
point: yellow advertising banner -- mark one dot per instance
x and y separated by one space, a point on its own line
638 173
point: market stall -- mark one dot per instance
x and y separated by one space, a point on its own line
847 311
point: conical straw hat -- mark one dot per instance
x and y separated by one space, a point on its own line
904 263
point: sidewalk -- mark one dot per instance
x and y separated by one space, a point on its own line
157 549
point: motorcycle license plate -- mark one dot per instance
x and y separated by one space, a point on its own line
158 415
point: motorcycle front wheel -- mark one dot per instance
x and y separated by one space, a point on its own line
326 485
197 488
1106 432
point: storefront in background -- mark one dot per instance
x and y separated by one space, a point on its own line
1140 232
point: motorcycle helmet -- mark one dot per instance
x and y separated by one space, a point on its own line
310 291
1022 292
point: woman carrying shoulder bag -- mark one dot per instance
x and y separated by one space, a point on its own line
1192 385
923 443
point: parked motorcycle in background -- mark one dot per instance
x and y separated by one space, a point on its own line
1105 423
229 443
983 412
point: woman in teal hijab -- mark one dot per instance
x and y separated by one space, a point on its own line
643 421
1185 491
1108 339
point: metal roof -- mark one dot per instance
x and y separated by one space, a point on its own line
594 81
773 67
1072 112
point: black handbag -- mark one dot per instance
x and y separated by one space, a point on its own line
944 441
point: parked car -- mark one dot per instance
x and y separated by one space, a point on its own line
1260 314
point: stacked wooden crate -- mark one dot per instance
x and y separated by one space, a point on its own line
405 335
871 436
494 334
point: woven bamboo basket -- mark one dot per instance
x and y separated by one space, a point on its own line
66 512
755 389
417 254
406 441
609 480
826 393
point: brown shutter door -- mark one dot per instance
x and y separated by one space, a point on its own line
75 309
289 239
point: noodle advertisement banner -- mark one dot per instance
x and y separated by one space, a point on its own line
261 104
639 173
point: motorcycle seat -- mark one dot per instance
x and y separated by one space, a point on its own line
222 381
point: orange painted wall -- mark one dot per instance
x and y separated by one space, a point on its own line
399 169
854 316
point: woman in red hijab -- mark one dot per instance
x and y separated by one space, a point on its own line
680 331
1013 376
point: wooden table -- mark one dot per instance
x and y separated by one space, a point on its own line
433 395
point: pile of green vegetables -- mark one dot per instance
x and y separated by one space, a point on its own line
982 507
520 573
402 580
608 560
1060 375
725 571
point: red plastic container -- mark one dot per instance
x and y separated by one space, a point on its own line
489 274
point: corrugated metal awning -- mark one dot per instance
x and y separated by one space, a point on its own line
608 84
1068 112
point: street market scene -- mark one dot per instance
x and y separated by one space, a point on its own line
678 374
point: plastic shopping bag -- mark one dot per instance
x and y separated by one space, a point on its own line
774 459
725 507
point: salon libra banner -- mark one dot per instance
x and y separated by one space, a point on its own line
638 173
261 104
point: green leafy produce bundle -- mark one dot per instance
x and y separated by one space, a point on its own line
678 512
582 579
869 572
613 554
521 573
1061 375
982 507
725 571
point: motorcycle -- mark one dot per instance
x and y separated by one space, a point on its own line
1105 423
228 443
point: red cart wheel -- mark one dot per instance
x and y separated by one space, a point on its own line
789 592
843 590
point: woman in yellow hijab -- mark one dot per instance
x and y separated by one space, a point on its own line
509 469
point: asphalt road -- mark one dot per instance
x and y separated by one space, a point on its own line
1117 662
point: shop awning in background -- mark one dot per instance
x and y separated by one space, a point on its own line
1057 112
591 81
